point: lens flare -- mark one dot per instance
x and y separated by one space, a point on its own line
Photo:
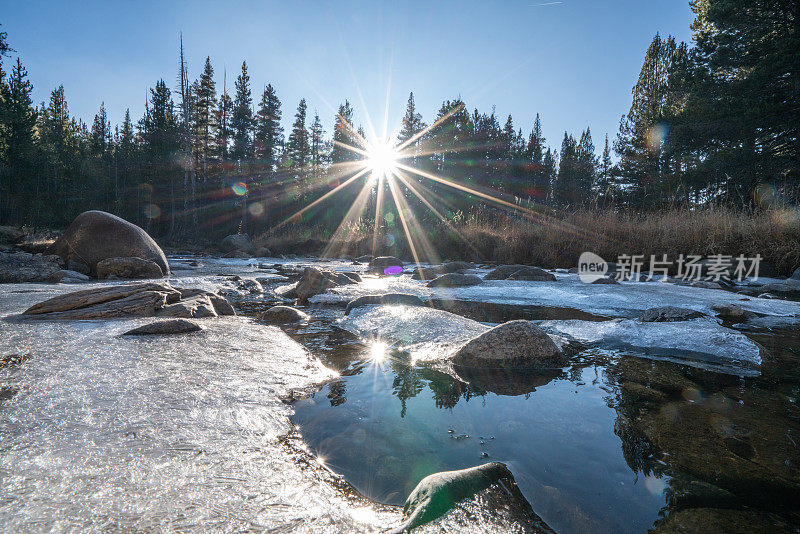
239 189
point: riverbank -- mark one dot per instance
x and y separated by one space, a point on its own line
556 240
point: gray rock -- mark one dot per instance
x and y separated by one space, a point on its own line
314 281
731 312
455 280
21 267
237 243
96 235
706 285
381 263
429 273
387 298
192 307
532 274
511 345
796 274
437 494
168 327
127 268
78 267
91 297
221 304
284 315
605 280
11 235
667 314
364 259
69 277
520 272
141 304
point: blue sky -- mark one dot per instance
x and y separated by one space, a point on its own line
574 61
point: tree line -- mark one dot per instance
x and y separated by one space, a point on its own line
717 121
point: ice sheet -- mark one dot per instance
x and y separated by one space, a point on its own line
701 342
157 433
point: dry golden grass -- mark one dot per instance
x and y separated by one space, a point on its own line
558 240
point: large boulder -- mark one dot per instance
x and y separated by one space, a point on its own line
512 345
21 267
237 243
167 327
455 280
96 235
133 300
314 281
127 268
381 263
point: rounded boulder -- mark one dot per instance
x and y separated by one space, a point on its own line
96 235
512 345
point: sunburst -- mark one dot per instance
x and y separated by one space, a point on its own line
383 167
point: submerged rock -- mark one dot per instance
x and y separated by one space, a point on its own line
667 314
170 326
455 280
284 315
721 521
128 268
96 235
437 494
387 298
515 344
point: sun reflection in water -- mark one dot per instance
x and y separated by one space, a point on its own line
378 351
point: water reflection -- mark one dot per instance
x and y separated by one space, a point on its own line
615 443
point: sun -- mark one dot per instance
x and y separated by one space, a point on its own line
382 159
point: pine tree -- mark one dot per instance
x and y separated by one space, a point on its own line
224 131
100 140
739 116
19 119
412 121
586 161
642 133
298 146
205 116
318 149
343 134
604 186
242 119
269 132
187 136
